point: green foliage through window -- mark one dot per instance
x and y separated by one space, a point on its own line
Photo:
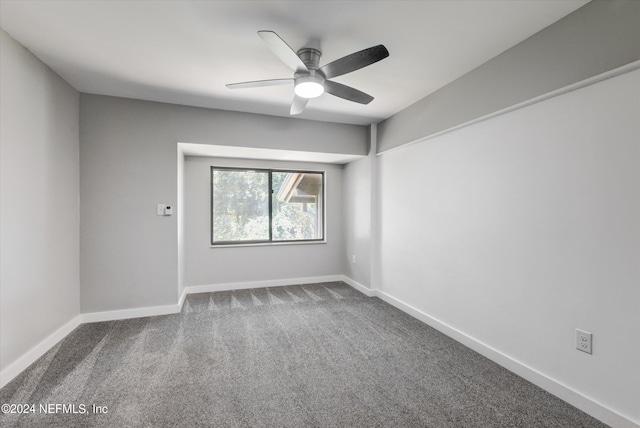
266 205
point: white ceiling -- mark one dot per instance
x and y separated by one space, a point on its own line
184 52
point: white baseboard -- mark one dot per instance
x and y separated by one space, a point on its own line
131 313
564 392
15 368
194 289
361 288
174 309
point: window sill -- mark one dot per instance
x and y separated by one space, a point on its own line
267 244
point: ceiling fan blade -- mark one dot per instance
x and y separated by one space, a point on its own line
347 92
259 83
283 51
298 105
355 61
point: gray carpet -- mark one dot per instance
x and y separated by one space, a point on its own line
319 355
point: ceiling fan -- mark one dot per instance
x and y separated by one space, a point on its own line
309 79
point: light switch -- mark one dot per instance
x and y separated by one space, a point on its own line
160 209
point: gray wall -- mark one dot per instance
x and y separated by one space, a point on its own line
226 265
129 163
356 218
600 36
39 211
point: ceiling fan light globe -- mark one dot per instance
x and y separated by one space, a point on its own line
309 89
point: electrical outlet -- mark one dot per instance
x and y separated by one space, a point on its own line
583 341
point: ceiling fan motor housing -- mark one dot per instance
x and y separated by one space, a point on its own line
310 57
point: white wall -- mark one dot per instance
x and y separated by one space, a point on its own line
39 212
227 265
128 164
517 230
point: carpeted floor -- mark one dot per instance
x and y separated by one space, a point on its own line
319 355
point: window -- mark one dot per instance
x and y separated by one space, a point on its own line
262 206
